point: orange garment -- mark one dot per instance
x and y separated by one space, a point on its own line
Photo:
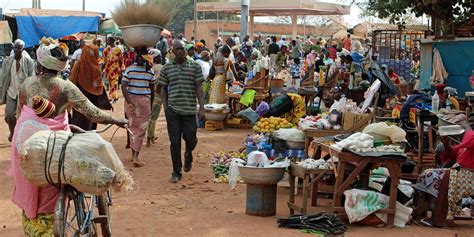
87 72
113 68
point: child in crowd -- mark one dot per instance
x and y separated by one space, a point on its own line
295 71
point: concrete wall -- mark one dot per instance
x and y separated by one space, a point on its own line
208 30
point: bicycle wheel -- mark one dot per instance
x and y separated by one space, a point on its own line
72 214
103 204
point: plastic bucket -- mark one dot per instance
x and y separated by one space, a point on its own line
250 148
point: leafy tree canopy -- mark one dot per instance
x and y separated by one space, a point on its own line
458 11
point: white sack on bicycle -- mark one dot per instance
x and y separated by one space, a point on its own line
90 163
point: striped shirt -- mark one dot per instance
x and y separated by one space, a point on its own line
139 80
181 81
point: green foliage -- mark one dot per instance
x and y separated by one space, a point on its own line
458 11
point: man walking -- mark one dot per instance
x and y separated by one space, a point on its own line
181 82
15 69
163 47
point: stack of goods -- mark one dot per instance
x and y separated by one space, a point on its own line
89 163
324 224
215 116
334 119
364 143
220 163
272 124
315 164
449 117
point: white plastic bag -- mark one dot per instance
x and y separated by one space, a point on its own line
281 164
395 133
257 159
234 171
290 134
361 203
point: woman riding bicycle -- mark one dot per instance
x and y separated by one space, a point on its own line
44 99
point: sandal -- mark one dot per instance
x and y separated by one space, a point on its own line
138 163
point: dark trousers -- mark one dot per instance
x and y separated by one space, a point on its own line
181 126
163 58
81 120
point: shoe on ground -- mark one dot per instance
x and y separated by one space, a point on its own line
175 178
188 166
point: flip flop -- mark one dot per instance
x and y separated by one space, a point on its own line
138 163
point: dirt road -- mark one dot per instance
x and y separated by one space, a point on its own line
195 206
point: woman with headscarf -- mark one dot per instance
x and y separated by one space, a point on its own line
225 71
113 61
138 89
87 76
55 95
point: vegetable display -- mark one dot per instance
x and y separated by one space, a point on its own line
220 163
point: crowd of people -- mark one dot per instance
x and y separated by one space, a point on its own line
177 74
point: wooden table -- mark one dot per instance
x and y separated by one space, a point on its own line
234 100
362 169
305 174
312 133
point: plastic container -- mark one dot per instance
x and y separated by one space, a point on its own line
435 103
250 148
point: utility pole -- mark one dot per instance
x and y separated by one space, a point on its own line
83 5
244 18
195 20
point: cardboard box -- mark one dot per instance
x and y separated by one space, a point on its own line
350 118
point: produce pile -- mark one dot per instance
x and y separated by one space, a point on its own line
320 223
315 164
220 163
362 142
271 124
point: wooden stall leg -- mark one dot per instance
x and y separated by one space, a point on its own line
441 204
305 193
339 180
395 179
292 193
314 193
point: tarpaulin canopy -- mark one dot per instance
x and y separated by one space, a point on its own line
33 24
109 27
5 33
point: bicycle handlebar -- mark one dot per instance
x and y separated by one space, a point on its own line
96 131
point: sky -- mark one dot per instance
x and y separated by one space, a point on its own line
105 6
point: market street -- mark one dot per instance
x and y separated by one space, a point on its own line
196 206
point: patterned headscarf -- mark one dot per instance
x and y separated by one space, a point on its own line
46 59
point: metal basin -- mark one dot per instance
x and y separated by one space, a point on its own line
143 35
263 176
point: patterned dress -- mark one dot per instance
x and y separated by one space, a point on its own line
298 111
113 59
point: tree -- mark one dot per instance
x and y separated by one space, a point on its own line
458 11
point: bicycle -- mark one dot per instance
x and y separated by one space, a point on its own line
74 212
